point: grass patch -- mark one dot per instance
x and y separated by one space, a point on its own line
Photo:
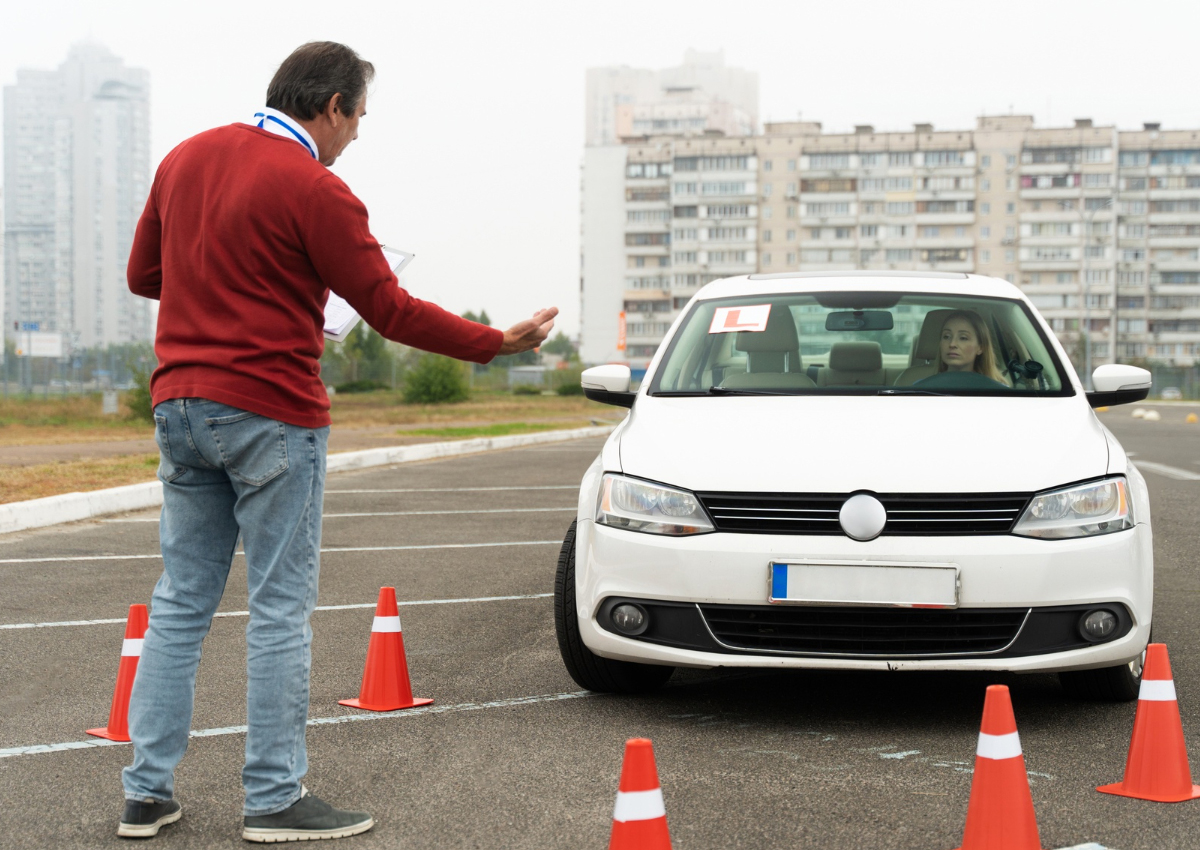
19 483
497 429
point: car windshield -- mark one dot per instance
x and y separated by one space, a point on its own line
885 343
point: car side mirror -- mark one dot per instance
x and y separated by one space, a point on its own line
1116 383
608 384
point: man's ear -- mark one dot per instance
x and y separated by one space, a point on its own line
333 109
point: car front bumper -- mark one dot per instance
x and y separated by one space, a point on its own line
995 572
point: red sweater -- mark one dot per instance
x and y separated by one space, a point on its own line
242 238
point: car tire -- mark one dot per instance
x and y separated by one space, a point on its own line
589 670
1105 684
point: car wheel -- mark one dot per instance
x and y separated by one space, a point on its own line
1105 684
589 670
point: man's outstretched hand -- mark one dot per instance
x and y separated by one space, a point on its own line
530 333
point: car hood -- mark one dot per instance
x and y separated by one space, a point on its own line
885 444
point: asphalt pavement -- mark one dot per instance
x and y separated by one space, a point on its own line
512 754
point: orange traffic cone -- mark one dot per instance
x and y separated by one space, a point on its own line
131 650
385 684
1000 813
639 817
1157 765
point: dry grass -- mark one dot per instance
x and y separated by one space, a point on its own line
77 419
52 479
70 419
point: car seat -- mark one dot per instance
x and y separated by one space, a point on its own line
773 355
927 349
853 364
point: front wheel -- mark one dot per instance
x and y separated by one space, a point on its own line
589 670
1105 684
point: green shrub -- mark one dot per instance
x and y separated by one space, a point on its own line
361 387
570 389
526 389
138 400
436 380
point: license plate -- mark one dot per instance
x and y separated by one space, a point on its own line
895 585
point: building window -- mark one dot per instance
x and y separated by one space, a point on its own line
985 256
985 208
985 232
985 185
931 232
897 230
766 236
766 259
791 165
960 232
1064 277
1010 160
899 255
813 233
842 232
791 211
766 190
986 161
766 212
933 158
869 160
791 234
828 160
766 165
1008 255
869 231
899 158
898 208
791 258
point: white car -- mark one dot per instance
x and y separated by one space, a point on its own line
828 470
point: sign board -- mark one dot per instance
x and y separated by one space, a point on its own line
621 331
39 344
110 403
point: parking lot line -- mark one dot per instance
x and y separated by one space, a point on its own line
461 489
38 749
396 513
1169 471
405 604
75 558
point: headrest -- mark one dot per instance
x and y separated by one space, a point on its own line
855 357
929 342
780 334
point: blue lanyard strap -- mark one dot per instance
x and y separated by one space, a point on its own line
263 118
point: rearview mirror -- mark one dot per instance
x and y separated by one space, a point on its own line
859 320
608 384
1116 383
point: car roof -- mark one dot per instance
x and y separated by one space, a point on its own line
953 283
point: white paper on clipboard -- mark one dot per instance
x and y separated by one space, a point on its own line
340 317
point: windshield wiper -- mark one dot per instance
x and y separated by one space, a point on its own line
908 391
738 391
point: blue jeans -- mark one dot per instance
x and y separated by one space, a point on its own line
227 472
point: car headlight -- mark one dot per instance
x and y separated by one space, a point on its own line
1100 507
641 506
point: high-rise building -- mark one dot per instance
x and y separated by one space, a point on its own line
1100 227
76 176
702 94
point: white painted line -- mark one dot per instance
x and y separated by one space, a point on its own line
37 749
76 558
71 507
459 489
1169 471
351 607
397 513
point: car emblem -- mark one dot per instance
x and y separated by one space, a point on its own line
862 517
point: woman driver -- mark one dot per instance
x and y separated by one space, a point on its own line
966 346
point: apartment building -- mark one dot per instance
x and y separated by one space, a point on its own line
76 173
1100 227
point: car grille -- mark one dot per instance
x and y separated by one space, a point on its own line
925 514
863 631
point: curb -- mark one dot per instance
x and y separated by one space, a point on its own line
72 507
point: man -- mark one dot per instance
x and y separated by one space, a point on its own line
244 234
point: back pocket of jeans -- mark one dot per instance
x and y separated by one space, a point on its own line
253 448
168 471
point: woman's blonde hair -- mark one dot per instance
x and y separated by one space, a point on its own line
985 361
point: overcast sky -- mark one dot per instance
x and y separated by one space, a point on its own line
470 153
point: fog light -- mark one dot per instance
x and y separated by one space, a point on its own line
1099 624
629 619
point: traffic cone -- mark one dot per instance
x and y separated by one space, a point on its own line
1000 813
1157 765
131 650
639 817
385 685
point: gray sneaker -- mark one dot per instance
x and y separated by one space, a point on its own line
308 819
143 820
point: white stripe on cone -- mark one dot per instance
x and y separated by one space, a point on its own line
639 805
386 624
998 746
1157 690
131 647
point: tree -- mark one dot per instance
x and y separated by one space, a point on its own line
436 380
561 345
482 317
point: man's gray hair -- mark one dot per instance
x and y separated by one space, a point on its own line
313 74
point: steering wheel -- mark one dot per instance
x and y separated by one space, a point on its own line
959 381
